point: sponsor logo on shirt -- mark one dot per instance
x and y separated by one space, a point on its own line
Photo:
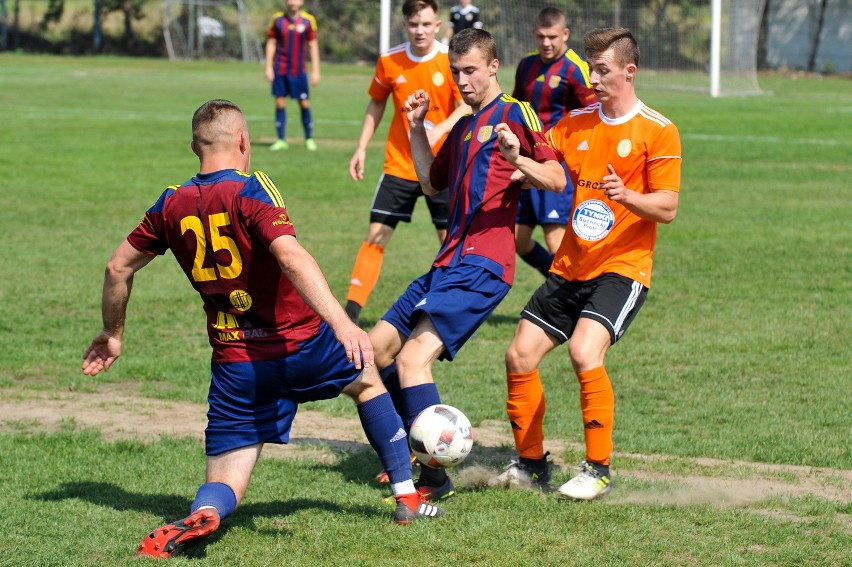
592 220
240 299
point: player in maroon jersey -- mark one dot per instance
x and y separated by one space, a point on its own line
279 336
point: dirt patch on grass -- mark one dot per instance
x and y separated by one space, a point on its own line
122 414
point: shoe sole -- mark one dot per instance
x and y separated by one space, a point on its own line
170 540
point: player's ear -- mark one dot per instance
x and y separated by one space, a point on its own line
493 66
195 148
631 71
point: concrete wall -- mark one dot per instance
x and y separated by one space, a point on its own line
792 26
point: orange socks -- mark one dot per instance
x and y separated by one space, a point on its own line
365 273
525 408
597 402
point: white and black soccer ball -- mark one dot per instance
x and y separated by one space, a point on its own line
441 436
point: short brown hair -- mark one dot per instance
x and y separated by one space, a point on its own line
463 42
550 17
412 7
620 40
212 118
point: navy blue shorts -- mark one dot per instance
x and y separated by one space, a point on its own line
294 86
539 207
255 402
457 300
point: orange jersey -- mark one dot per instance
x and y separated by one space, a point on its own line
399 73
604 237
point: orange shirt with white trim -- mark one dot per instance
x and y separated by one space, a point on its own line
604 236
399 73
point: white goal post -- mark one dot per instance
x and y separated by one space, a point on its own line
194 29
705 46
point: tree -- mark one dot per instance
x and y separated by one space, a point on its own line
817 35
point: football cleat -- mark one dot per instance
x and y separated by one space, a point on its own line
404 514
172 539
525 473
590 483
310 145
434 493
279 145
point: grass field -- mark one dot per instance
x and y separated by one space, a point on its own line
733 380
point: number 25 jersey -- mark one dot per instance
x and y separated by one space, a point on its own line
219 227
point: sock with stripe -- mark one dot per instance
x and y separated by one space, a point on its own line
525 407
539 258
597 402
307 123
215 495
365 272
281 122
386 435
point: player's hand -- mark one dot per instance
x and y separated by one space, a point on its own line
356 164
416 106
315 78
518 176
100 355
613 187
270 75
507 142
359 349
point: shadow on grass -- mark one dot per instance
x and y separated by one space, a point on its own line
173 507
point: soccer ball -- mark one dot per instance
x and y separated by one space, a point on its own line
441 436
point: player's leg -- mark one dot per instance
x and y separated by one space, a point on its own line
528 249
387 436
609 310
546 322
393 202
553 234
228 476
301 93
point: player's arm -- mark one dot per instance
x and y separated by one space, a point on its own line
306 276
313 48
372 119
444 127
271 45
658 206
416 108
547 175
118 282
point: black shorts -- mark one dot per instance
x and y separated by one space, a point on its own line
611 300
395 198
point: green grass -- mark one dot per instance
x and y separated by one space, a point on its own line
740 353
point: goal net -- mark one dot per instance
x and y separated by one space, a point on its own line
675 37
195 29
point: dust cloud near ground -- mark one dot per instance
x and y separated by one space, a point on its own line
121 414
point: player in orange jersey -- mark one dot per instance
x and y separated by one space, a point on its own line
420 63
624 160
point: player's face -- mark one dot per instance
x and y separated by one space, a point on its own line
293 6
610 81
552 42
421 29
473 75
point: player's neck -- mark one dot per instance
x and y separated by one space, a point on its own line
561 54
616 108
294 15
417 52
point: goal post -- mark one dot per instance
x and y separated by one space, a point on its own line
707 46
194 29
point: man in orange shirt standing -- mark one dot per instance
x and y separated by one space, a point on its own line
624 160
420 63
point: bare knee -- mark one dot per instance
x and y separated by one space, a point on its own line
518 361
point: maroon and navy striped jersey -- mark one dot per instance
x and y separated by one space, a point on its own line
292 37
483 200
219 226
555 88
